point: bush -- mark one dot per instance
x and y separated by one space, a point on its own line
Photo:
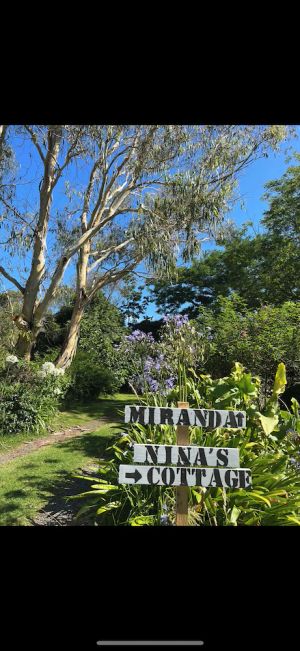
29 396
260 339
88 379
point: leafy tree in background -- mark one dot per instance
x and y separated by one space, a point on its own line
283 216
264 269
259 339
112 196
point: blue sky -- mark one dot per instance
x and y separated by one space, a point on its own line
251 189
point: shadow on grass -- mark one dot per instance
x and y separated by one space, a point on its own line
14 494
99 408
58 511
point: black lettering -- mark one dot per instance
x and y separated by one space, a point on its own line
200 458
200 472
183 478
184 474
183 458
151 415
230 421
240 419
216 477
212 419
218 419
137 415
200 417
222 456
230 481
150 475
164 475
244 476
168 451
152 453
183 418
166 415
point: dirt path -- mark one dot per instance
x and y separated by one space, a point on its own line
55 437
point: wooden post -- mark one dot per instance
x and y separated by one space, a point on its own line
182 492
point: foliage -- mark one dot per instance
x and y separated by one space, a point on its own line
259 339
271 452
100 333
283 216
264 269
29 396
88 378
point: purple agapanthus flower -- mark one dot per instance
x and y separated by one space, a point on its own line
170 382
178 320
153 384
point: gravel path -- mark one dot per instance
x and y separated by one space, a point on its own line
55 437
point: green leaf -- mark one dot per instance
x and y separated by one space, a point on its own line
268 423
235 512
109 507
197 495
280 380
246 386
293 519
260 497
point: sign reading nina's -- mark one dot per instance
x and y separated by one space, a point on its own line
187 417
186 455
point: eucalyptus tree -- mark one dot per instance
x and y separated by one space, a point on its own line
107 197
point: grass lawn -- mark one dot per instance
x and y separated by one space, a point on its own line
29 483
73 414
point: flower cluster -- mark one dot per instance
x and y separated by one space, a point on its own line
137 336
157 374
155 366
48 368
11 359
177 320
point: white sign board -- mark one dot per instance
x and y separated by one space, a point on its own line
188 417
166 476
188 455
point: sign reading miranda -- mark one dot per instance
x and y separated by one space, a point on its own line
188 417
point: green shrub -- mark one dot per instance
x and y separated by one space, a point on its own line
29 396
88 379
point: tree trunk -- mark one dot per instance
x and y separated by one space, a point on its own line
24 346
69 348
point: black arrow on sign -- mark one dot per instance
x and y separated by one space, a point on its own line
136 475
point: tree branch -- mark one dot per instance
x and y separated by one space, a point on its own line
71 153
12 279
35 141
106 253
110 277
